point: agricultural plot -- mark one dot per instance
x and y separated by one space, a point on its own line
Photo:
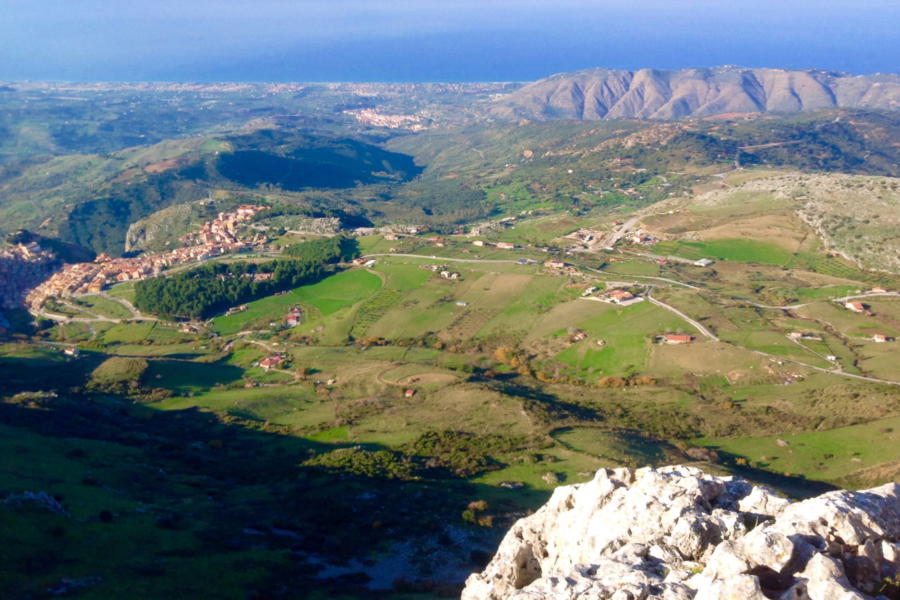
735 364
524 307
496 290
325 297
738 250
568 311
182 350
145 332
633 267
372 310
879 359
418 302
295 406
339 291
404 274
854 325
129 333
626 334
539 230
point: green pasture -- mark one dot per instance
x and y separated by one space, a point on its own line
104 307
623 448
627 333
325 297
822 455
123 290
738 250
291 405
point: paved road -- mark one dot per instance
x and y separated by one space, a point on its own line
510 261
445 258
67 319
706 332
838 300
135 314
665 279
868 295
617 234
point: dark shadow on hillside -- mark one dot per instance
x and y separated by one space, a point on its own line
17 374
793 486
230 486
541 405
179 375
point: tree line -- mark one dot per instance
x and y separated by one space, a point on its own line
204 291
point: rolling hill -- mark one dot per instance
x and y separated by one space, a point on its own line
90 200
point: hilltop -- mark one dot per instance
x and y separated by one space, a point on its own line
658 94
677 533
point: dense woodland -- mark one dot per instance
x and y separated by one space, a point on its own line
206 290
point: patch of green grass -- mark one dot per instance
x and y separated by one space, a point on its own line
293 405
132 332
821 455
104 307
624 448
182 376
633 267
627 334
339 291
738 250
123 290
326 297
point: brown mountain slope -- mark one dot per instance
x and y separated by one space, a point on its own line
655 94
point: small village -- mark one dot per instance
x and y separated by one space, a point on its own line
214 239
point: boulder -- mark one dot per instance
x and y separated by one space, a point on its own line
679 533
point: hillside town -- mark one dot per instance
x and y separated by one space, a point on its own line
224 228
373 117
214 239
22 266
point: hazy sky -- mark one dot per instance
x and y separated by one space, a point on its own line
433 40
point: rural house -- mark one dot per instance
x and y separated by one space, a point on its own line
271 362
677 338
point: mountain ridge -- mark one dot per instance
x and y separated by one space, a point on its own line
600 93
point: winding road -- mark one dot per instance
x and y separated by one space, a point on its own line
706 332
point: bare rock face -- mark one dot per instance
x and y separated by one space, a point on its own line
677 533
595 94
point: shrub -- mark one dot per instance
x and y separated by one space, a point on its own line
384 464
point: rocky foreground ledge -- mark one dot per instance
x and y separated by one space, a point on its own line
677 533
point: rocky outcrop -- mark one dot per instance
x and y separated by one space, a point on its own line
658 94
678 533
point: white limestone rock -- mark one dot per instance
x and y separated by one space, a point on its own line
677 533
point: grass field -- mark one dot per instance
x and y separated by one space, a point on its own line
132 332
123 290
627 335
623 448
104 307
822 455
325 298
739 250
